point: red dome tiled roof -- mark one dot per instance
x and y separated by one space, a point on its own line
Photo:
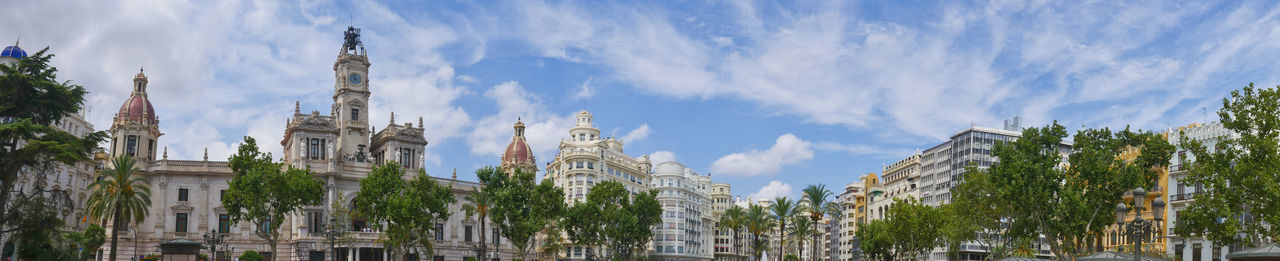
135 108
517 151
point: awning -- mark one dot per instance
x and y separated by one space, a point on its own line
1269 252
1115 256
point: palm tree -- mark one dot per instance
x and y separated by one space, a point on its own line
733 219
783 208
758 223
478 204
799 230
817 196
120 197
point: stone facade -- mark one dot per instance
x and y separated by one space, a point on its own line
586 158
339 148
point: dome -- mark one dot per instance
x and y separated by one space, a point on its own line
134 108
517 151
13 51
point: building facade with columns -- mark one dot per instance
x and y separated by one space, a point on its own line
339 148
585 159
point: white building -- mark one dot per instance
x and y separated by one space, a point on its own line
1182 194
339 148
725 248
584 160
848 222
686 231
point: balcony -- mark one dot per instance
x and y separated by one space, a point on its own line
1182 198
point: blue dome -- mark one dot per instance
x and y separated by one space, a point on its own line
13 51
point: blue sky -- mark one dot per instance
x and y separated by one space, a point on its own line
767 96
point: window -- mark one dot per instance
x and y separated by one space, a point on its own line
467 234
151 148
113 146
579 164
266 226
131 145
224 223
180 224
182 194
315 223
355 113
222 194
496 236
439 231
591 165
406 157
316 150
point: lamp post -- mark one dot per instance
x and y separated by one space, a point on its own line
1139 229
333 235
213 238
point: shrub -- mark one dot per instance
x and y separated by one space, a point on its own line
250 256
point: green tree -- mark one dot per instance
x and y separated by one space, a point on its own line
612 217
340 211
408 210
733 219
783 208
31 98
916 226
875 240
477 205
86 243
1241 175
758 222
1071 205
120 197
801 228
38 231
521 207
975 209
818 196
264 193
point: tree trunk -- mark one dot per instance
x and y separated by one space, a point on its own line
274 255
814 254
782 228
483 242
115 231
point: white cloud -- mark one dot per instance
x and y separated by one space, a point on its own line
638 134
861 149
661 156
912 80
584 90
543 129
772 190
225 69
787 150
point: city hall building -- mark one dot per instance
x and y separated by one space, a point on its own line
340 147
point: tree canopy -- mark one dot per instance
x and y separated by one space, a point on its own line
408 211
1241 175
264 193
613 218
522 209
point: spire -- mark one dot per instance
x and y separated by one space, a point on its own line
206 154
393 117
455 173
297 107
166 152
420 125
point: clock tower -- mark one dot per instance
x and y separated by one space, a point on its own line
351 95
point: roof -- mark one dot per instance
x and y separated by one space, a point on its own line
13 51
517 151
135 108
1115 256
1266 252
1018 258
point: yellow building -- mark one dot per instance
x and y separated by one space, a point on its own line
1114 241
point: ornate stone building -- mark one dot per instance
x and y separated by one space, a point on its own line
340 148
518 156
586 158
685 233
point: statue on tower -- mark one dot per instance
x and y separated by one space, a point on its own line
352 41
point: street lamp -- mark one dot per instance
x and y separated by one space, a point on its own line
1139 229
333 235
213 238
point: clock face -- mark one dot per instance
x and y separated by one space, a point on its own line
355 78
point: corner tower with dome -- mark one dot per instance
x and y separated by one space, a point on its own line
339 147
585 159
518 155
